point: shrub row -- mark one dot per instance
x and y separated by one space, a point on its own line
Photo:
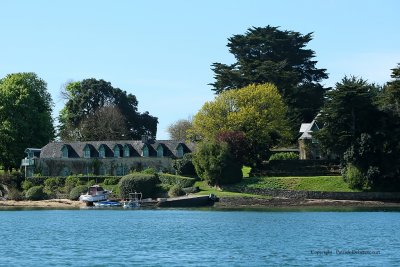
40 180
181 181
138 182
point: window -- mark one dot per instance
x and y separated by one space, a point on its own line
102 170
116 152
160 151
145 152
64 152
119 171
179 151
126 152
86 152
102 152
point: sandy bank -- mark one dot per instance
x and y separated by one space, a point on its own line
50 203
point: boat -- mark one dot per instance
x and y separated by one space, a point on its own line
95 193
134 200
107 204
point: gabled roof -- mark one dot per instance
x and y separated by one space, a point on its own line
75 149
307 129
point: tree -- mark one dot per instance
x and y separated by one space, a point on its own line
215 164
180 130
238 144
85 98
25 116
256 110
390 96
106 123
270 55
349 111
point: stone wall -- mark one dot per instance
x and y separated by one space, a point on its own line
298 168
383 196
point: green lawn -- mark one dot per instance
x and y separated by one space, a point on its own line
206 190
312 183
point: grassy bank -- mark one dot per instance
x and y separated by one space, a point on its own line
206 190
309 183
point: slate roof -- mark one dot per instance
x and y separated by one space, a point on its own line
307 128
75 149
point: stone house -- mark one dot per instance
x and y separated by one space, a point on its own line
309 146
103 157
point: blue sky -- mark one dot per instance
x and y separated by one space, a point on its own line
161 51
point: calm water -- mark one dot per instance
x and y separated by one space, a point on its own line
197 238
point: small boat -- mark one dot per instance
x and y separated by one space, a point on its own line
95 193
134 200
107 204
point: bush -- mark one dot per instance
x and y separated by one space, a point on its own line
53 185
27 184
13 179
35 193
176 191
77 191
215 165
354 177
138 182
185 165
111 180
15 194
149 171
171 179
284 156
37 180
70 183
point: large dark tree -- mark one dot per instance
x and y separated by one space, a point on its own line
270 55
25 116
86 98
348 112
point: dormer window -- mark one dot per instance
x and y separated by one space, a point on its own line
160 151
117 152
127 153
102 152
64 152
145 151
86 152
179 151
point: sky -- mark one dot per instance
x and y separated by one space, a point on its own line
162 51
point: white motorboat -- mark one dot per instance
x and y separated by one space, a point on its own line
95 193
134 201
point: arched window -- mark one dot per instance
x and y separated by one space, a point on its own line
179 151
145 151
102 152
160 151
64 152
117 152
86 152
127 153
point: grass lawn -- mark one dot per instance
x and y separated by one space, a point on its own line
311 183
206 190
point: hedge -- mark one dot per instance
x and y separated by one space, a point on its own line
39 180
138 182
77 191
171 179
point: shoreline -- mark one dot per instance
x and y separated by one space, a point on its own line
224 202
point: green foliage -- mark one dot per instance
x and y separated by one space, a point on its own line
184 166
284 156
180 130
15 194
90 96
25 116
138 182
27 184
70 183
77 191
181 181
215 165
35 193
354 177
256 110
111 181
13 179
53 185
37 180
270 55
349 111
176 191
149 171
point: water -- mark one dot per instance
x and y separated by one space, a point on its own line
198 238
